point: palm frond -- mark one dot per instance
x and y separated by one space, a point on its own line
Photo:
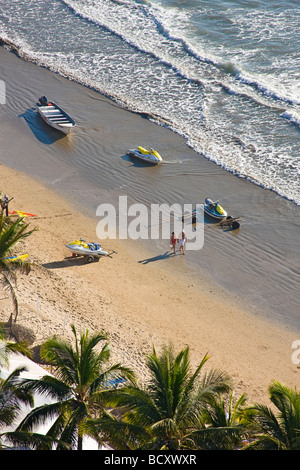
32 441
12 395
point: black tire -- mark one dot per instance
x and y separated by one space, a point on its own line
89 259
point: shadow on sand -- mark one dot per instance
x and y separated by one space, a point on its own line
167 255
67 262
39 128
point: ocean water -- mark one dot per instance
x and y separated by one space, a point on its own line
225 75
220 76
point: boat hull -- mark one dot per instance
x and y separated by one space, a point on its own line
213 213
56 118
147 156
86 249
18 258
21 214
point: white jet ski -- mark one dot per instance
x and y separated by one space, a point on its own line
150 156
88 250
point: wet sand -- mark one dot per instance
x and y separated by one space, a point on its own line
237 298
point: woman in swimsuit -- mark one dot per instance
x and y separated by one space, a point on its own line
183 239
173 242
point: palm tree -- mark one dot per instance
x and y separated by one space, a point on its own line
7 347
11 233
82 376
224 423
163 414
12 393
279 431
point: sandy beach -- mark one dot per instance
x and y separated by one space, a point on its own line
138 305
137 301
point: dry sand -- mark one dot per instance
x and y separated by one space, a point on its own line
138 304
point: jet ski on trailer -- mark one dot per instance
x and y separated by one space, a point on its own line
90 251
213 209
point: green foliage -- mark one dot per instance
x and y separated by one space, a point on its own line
281 430
177 409
166 412
13 394
12 233
7 347
77 391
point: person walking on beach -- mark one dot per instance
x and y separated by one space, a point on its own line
183 240
173 242
4 204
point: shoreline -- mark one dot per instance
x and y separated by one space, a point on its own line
138 296
91 166
163 310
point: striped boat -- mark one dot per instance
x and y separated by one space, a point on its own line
55 116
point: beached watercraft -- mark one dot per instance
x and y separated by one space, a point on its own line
214 209
150 156
88 250
21 214
55 116
22 258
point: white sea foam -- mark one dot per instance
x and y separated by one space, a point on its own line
148 27
154 58
292 116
